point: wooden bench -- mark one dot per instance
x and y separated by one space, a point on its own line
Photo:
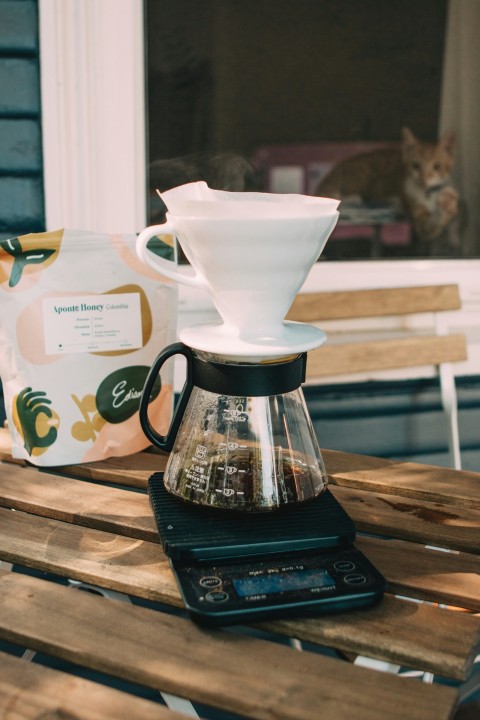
75 524
406 350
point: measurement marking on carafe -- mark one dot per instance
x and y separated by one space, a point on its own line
228 492
201 452
236 415
231 446
230 469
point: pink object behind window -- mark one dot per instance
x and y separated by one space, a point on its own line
316 159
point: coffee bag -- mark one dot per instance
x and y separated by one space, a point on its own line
81 321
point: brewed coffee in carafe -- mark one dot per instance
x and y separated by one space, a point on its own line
241 437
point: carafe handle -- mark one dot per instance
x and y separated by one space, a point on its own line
165 442
169 268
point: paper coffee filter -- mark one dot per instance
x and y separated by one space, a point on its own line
196 199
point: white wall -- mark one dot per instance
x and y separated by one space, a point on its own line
92 84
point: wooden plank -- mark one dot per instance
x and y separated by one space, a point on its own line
314 307
413 351
114 562
77 501
425 573
29 216
29 691
19 28
141 569
459 488
131 470
233 672
20 143
20 96
410 519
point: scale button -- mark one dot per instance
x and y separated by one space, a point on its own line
217 596
210 581
355 579
344 565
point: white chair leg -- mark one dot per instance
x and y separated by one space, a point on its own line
450 406
180 705
380 665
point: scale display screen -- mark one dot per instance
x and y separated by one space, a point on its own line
282 582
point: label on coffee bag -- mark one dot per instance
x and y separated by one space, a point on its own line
92 323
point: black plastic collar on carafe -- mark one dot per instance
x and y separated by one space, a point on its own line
249 380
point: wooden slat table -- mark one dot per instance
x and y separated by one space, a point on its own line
93 524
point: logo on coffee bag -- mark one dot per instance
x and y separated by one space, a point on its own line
118 396
36 422
27 254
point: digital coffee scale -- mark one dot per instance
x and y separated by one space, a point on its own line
234 567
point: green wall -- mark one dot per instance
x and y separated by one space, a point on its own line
21 182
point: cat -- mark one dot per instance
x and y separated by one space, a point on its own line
415 176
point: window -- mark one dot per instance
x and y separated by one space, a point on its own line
264 94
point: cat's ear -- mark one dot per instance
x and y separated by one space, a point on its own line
408 138
448 142
409 143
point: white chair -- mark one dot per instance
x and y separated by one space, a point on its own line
407 348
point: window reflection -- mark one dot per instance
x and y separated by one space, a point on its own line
271 94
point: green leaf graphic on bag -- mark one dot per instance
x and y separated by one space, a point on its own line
159 246
36 422
21 258
92 423
118 396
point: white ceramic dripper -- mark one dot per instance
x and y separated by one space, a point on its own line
252 253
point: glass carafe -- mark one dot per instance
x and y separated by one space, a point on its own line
241 437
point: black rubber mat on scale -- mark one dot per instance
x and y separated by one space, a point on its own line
190 531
